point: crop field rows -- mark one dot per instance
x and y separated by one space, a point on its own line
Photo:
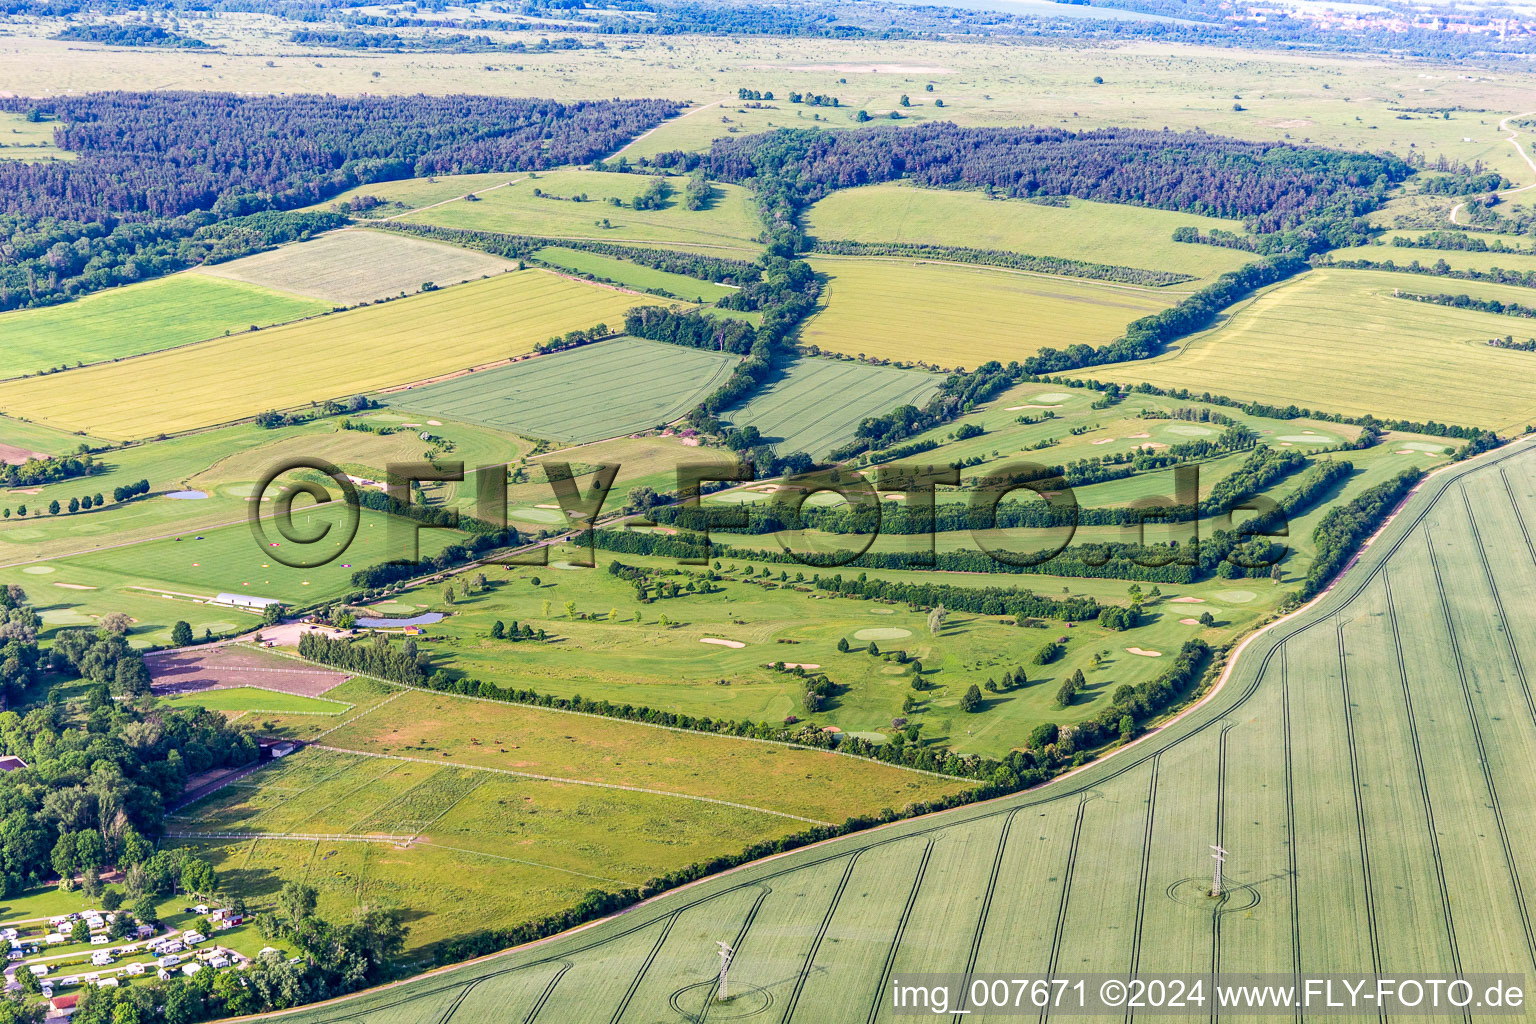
328 357
1358 838
817 404
587 394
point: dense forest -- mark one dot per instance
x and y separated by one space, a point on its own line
153 170
131 34
1273 186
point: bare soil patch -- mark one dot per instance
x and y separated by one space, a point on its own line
221 668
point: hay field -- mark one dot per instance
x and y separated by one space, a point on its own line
1365 767
1337 340
816 404
138 318
346 268
731 219
330 357
1127 236
489 849
949 315
586 394
632 275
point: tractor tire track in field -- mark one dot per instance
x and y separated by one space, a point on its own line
1221 839
821 933
741 936
1418 763
1141 883
1292 874
1482 754
901 928
1524 532
1498 602
1349 590
986 907
1066 896
549 990
634 986
1354 782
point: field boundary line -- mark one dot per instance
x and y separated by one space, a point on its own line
304 836
1142 289
572 782
355 717
407 688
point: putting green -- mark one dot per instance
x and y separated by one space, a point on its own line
1425 446
882 633
39 570
882 611
737 497
240 490
1308 438
1188 430
536 515
25 533
1051 397
64 617
1235 596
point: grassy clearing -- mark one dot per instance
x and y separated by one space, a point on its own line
246 699
1415 360
31 141
158 582
632 275
329 357
1127 236
1457 259
351 267
587 394
487 734
816 404
950 315
139 318
1388 689
729 220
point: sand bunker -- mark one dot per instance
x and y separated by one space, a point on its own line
791 664
882 633
1144 654
1142 434
1104 440
721 643
74 586
1187 600
1189 622
1016 408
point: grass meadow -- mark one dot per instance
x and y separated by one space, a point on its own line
1338 340
1392 688
245 700
330 357
729 220
586 394
632 275
1456 259
1126 236
954 315
814 405
144 317
31 141
347 268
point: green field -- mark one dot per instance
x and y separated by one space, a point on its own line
951 315
238 700
21 139
492 846
589 393
1364 767
1456 259
632 275
730 220
675 668
1126 236
145 317
351 267
1337 340
160 581
814 405
329 357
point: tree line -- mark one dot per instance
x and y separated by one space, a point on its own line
1440 268
1058 265
1465 301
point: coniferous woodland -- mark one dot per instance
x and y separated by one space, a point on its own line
159 177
